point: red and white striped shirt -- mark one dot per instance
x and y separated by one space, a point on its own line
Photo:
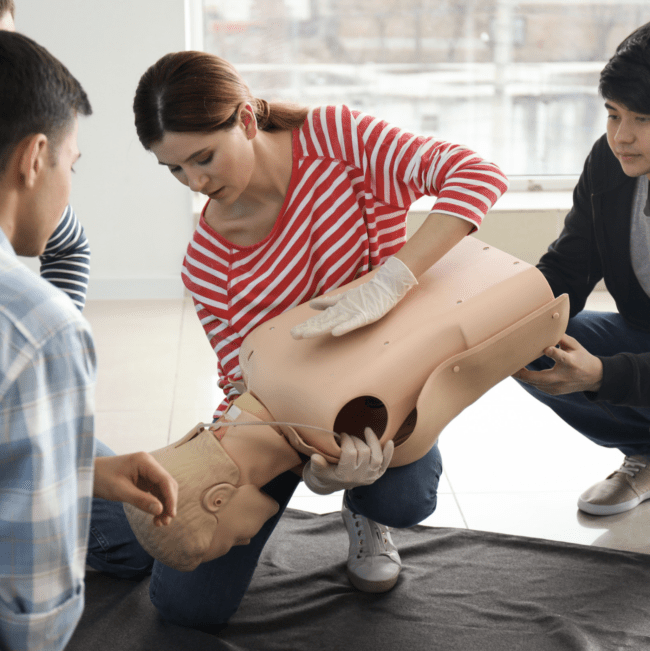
352 182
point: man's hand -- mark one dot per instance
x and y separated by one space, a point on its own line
360 305
139 480
575 369
360 464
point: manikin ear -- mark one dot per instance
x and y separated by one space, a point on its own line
33 155
217 496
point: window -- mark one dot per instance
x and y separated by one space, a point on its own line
515 81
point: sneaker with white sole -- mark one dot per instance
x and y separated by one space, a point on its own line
373 561
624 489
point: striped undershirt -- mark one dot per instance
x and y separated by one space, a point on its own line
353 180
66 259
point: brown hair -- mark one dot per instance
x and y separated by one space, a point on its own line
42 95
200 92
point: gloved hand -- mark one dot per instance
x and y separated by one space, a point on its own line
359 306
360 464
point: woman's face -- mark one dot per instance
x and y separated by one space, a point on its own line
219 164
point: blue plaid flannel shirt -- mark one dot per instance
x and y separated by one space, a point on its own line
47 376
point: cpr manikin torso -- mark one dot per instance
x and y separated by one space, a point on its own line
475 318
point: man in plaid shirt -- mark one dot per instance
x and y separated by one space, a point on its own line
48 474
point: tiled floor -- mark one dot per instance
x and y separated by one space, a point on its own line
510 464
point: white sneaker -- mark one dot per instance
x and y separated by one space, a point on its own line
373 561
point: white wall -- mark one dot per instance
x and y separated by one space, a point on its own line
137 217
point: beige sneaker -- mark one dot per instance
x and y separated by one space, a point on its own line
624 489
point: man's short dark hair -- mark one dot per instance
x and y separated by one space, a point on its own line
37 94
626 77
7 6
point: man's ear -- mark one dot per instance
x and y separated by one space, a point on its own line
217 496
33 154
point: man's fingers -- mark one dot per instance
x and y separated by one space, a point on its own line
527 376
141 499
546 377
567 343
154 478
554 353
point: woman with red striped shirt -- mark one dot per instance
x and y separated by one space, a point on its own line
301 202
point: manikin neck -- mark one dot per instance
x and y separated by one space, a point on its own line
260 452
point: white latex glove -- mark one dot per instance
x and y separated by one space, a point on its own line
359 306
360 464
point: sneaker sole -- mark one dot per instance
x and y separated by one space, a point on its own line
371 586
611 509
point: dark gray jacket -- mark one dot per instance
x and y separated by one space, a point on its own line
595 244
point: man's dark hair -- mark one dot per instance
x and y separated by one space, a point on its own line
37 94
7 6
626 77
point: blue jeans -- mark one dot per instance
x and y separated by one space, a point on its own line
612 426
207 597
112 547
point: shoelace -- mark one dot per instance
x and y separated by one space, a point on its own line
632 466
379 530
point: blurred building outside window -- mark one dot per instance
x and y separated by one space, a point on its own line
515 81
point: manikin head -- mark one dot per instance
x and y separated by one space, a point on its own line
214 512
625 86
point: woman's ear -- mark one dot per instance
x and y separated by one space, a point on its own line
33 156
247 117
217 496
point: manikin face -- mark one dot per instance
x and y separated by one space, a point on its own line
218 164
214 513
628 135
239 520
46 201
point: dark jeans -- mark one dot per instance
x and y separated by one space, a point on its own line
207 597
612 426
